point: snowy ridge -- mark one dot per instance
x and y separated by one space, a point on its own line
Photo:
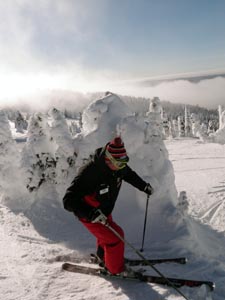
35 229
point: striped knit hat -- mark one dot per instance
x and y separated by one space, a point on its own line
117 150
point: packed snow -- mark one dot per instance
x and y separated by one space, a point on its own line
185 217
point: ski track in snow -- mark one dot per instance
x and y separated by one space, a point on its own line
214 214
205 190
30 270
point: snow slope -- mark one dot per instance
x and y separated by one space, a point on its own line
28 251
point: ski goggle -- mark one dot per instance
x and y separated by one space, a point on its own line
119 164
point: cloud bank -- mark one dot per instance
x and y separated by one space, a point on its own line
207 93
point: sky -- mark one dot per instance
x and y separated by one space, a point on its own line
94 45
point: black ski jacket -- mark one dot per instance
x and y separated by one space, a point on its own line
98 180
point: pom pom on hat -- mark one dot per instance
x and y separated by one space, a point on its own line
116 149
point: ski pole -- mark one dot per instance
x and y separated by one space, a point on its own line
145 221
144 259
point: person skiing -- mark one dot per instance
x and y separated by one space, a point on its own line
92 196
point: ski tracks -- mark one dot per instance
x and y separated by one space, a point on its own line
214 214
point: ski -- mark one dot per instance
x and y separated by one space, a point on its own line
140 262
177 282
136 262
94 259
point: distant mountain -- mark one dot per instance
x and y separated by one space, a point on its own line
190 78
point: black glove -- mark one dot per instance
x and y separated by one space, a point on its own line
148 189
96 216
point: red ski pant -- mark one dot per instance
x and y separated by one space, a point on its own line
112 245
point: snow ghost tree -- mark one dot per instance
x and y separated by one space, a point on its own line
10 171
175 126
149 157
181 126
154 117
8 153
20 123
211 127
219 135
172 130
187 122
221 117
155 105
38 157
65 154
109 116
166 129
203 132
100 120
195 125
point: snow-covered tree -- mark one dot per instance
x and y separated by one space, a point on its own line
109 116
219 135
195 125
65 152
11 175
154 119
38 157
181 126
221 112
96 118
166 129
137 105
211 127
20 123
8 153
175 126
172 132
203 132
155 105
187 122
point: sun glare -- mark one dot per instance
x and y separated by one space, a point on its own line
17 85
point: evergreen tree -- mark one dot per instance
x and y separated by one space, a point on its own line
8 154
38 154
65 151
20 123
11 174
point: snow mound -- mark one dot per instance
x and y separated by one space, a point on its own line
103 120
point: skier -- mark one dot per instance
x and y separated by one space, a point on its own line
92 196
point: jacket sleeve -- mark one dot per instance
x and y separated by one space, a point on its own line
83 184
134 179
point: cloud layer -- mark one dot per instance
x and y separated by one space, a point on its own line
207 93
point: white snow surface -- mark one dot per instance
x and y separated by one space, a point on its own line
33 235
